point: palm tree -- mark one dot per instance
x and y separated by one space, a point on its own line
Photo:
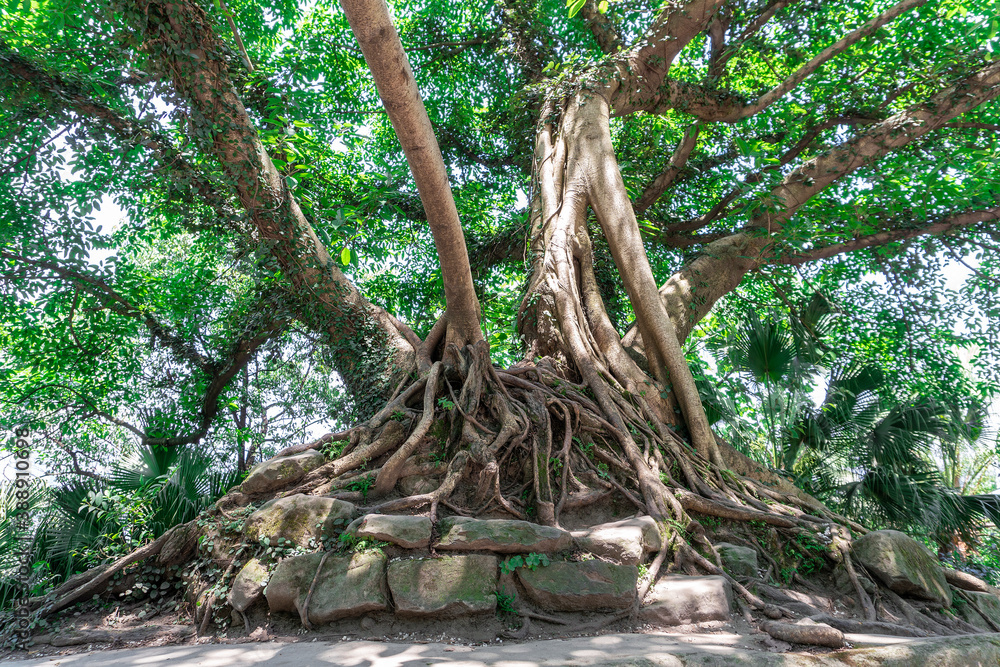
867 455
82 523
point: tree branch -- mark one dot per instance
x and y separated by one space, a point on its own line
642 69
689 294
723 205
90 404
713 105
112 300
90 111
940 226
184 48
679 159
242 352
822 57
601 28
74 458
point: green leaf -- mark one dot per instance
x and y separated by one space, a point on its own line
574 6
345 256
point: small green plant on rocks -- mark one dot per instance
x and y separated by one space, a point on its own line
505 603
532 561
355 544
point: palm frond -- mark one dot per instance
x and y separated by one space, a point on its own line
765 348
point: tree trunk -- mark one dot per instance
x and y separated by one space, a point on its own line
393 76
562 314
370 351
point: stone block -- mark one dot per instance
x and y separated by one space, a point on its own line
627 542
678 600
298 518
248 585
586 586
903 565
282 471
501 536
444 587
348 586
409 532
738 561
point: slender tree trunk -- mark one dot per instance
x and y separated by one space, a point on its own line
383 51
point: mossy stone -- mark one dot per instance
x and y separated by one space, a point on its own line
348 586
281 471
501 536
586 586
444 587
248 585
903 565
298 519
409 532
738 561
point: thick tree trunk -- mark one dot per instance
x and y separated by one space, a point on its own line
370 351
562 314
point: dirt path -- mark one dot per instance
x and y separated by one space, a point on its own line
621 650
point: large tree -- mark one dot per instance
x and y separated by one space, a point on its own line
618 171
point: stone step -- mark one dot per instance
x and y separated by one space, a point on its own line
298 519
627 542
444 587
501 536
590 585
349 585
409 532
679 600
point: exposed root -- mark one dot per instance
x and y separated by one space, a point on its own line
696 503
869 627
812 634
967 582
979 610
96 583
389 474
304 611
455 471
